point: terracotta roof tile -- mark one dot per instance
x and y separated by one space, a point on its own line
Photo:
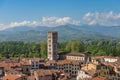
12 77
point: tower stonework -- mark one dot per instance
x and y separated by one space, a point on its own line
52 38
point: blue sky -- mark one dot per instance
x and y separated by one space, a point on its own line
34 10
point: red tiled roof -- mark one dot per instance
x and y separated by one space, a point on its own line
12 77
99 78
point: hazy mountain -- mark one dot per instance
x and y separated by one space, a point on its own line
26 28
66 32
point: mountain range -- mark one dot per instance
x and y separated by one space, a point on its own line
66 32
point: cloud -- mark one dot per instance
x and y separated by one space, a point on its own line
56 21
98 18
23 23
87 16
105 18
46 21
2 27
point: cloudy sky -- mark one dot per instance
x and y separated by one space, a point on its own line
14 13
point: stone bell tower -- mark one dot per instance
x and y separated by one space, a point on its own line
52 43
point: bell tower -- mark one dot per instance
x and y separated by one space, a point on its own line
52 38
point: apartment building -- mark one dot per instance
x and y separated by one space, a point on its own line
68 66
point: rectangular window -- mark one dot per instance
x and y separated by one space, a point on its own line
49 48
49 45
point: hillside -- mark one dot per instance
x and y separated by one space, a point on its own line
66 32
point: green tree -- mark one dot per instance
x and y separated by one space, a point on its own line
75 46
43 49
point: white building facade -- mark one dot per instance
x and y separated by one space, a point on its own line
82 75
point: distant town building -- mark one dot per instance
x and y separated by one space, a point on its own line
43 75
2 73
79 56
34 63
52 44
83 75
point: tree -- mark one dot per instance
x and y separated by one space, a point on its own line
43 49
75 46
